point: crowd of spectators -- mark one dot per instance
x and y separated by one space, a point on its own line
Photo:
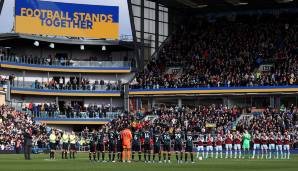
227 51
76 84
12 126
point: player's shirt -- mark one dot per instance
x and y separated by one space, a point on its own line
279 140
118 138
72 139
157 140
147 137
264 140
92 139
209 141
166 139
178 138
189 140
218 141
65 138
136 138
100 138
237 139
111 136
256 139
201 141
271 139
286 139
229 139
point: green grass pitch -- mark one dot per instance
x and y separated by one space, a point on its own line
40 162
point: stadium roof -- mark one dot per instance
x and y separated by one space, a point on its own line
218 5
15 39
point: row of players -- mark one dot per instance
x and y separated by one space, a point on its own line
278 144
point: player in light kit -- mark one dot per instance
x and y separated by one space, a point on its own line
189 146
209 146
256 148
229 142
65 145
286 146
200 148
218 144
166 140
279 146
264 146
271 144
237 144
178 145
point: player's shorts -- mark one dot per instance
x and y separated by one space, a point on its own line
287 147
166 148
53 146
119 148
189 149
100 147
156 149
92 148
256 146
209 148
136 147
147 147
178 147
112 148
237 147
278 147
218 148
73 147
65 146
271 146
229 146
200 148
246 145
264 147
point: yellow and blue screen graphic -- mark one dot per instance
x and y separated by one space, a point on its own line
66 19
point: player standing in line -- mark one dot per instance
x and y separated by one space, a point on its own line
65 144
119 145
200 147
100 145
72 141
52 144
166 140
112 151
126 137
271 144
246 144
147 145
136 144
256 141
178 145
92 145
237 144
157 144
286 146
264 146
218 147
279 146
209 146
229 144
189 146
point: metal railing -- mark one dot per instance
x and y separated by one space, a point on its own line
62 62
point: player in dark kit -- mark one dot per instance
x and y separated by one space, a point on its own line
136 144
92 145
157 144
119 145
100 145
189 145
112 151
178 145
166 140
147 146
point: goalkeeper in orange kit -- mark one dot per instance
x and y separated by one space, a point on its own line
126 137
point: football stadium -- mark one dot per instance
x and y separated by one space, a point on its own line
148 85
